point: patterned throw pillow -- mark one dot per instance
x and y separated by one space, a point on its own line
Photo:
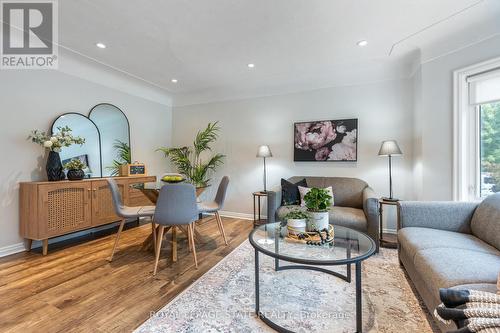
290 192
303 191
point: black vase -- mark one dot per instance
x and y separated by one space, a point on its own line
75 174
54 167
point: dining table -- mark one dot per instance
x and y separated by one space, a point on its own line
152 192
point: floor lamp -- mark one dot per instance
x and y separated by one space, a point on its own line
390 148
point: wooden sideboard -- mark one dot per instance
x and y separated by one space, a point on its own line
51 209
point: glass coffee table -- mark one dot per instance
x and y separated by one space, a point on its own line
350 247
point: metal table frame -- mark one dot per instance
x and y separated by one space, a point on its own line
305 264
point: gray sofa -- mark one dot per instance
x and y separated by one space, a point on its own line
356 204
450 245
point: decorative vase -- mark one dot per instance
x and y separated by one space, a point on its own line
75 174
298 225
54 167
318 221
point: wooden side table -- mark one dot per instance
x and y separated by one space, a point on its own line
386 240
257 196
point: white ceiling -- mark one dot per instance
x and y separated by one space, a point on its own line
295 44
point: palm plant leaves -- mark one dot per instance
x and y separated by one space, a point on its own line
123 155
188 160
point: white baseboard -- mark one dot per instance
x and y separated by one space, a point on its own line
236 215
389 231
12 249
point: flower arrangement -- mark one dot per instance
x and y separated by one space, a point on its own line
58 140
75 164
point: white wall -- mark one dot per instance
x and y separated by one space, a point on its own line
32 99
384 111
434 117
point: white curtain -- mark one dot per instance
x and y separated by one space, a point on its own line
484 88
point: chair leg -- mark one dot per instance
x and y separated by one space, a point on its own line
153 233
158 247
221 226
120 228
193 246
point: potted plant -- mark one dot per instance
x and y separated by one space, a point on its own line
297 221
75 169
318 201
123 156
54 143
188 160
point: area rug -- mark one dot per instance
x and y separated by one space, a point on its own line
222 300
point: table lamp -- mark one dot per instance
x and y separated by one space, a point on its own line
390 148
264 151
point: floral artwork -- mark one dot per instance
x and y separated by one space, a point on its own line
327 140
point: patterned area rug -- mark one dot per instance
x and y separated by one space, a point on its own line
222 300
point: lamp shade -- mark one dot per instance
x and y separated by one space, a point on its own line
264 151
389 148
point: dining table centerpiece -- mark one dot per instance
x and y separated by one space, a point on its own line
189 161
54 144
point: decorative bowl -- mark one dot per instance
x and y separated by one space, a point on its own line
172 178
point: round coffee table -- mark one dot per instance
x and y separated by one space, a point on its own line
349 247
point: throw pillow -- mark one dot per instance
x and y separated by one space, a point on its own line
290 192
303 191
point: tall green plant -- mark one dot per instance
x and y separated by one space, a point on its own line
123 156
188 160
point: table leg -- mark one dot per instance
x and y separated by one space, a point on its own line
45 246
359 307
257 288
174 244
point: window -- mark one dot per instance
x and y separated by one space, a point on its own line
476 172
489 160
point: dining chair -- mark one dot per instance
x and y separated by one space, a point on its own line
176 206
216 205
126 212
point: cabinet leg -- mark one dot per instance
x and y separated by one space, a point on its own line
45 246
29 243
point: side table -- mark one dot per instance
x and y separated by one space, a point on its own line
257 196
386 242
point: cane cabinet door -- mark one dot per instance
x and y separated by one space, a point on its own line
64 208
103 210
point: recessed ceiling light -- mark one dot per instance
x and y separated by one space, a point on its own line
101 45
174 80
251 65
362 43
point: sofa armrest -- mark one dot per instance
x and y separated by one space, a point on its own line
443 215
273 203
371 209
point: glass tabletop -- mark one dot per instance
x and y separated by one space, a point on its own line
348 246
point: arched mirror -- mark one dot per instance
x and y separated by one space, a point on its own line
89 152
115 137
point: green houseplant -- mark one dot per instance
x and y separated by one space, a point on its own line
188 160
296 220
75 169
318 202
123 156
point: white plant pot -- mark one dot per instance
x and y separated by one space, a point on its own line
318 221
297 224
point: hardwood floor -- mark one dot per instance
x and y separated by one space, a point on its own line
75 289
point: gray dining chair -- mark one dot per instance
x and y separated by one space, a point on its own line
126 212
176 206
216 205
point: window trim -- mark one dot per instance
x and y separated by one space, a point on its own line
465 133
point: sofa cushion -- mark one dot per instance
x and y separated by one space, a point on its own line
414 239
344 216
448 267
348 192
485 222
348 217
290 192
